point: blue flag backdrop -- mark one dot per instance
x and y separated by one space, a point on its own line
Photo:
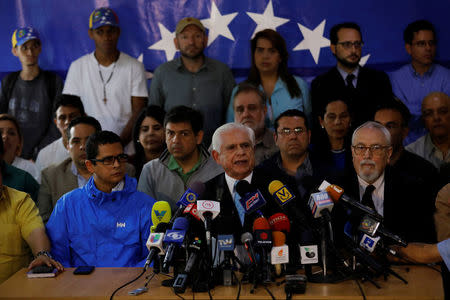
148 29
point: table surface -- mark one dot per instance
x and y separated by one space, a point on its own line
424 283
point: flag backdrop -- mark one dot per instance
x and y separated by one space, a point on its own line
148 29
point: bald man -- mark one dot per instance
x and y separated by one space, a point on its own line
434 146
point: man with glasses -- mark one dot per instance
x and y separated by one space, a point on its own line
185 161
412 82
376 185
363 87
106 222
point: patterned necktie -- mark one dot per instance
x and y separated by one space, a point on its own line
238 204
367 197
349 81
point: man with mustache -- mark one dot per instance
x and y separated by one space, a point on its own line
250 109
397 198
193 79
365 88
435 145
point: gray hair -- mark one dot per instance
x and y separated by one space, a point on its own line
217 136
373 125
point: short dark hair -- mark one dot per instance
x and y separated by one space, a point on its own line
68 100
83 120
246 87
335 29
12 119
333 98
416 26
396 104
100 138
290 113
183 113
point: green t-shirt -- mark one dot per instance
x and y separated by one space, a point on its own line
174 166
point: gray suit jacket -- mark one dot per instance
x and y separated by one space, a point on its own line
56 181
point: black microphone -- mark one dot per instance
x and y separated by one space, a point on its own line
372 227
191 195
174 238
181 281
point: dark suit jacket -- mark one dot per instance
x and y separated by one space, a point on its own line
408 207
372 88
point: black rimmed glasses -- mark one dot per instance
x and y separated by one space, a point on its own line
374 149
109 160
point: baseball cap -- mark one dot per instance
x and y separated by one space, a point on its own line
23 35
186 22
103 16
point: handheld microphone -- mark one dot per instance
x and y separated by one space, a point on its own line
155 243
181 281
337 194
189 196
263 238
320 204
161 213
191 210
280 192
251 197
280 222
174 238
280 251
371 227
247 239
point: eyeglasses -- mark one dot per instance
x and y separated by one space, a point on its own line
287 131
374 149
109 160
423 44
349 45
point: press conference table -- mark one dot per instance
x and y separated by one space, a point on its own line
424 283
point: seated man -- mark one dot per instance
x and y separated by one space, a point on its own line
186 159
105 223
392 195
72 172
67 108
22 229
435 145
250 109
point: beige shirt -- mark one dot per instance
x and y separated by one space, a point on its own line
442 214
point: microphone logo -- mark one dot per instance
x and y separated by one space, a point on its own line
207 204
283 194
160 214
175 235
251 201
226 242
154 238
191 197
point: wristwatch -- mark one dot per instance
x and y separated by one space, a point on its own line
43 252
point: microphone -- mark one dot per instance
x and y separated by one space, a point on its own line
247 239
337 194
280 251
371 227
251 197
320 204
190 196
191 210
280 192
280 222
263 238
181 281
155 243
174 238
161 213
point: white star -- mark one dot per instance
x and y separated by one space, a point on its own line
266 19
313 40
218 24
148 75
364 60
165 43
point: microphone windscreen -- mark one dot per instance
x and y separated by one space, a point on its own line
161 212
279 238
274 186
243 187
334 192
180 223
246 237
198 187
162 227
280 222
261 223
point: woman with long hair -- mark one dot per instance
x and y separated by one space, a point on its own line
269 71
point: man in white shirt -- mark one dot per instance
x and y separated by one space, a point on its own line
111 84
67 108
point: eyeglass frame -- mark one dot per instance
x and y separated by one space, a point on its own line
422 44
358 148
298 131
122 156
348 45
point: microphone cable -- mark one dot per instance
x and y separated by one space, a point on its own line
129 282
360 289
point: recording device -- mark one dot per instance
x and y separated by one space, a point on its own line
251 198
372 227
161 213
174 238
43 271
337 194
190 196
295 284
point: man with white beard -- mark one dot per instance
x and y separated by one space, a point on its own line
405 207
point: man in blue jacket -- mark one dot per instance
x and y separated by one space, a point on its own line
105 223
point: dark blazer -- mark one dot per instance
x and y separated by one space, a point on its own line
372 88
408 207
